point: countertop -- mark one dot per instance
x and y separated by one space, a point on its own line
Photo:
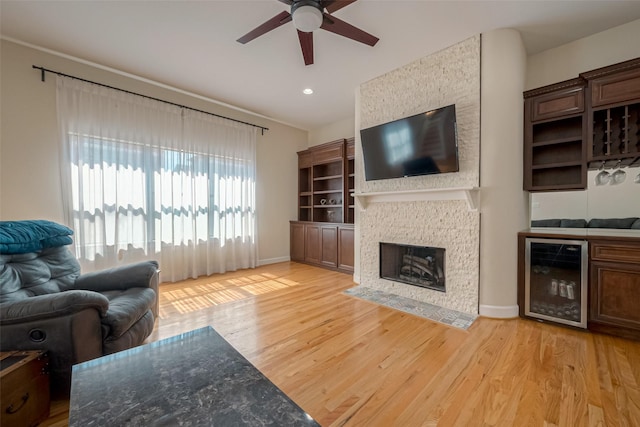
192 379
586 232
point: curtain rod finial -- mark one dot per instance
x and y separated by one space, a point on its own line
42 71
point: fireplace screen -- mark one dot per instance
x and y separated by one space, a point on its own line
414 265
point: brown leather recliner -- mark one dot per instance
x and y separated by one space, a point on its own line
45 304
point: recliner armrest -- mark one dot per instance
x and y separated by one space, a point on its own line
140 275
51 305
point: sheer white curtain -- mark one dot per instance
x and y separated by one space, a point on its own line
144 179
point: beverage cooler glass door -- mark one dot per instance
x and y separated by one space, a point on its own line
556 280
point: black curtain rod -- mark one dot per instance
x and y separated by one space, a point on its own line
46 70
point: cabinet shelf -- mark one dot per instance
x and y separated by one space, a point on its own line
557 165
328 191
324 178
554 187
326 174
556 141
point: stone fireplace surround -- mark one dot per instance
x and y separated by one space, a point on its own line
451 76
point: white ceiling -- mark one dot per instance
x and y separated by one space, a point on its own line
191 45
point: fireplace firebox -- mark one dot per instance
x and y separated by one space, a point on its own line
414 265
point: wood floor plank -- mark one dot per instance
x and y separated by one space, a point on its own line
350 362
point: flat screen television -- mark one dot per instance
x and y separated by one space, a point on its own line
423 144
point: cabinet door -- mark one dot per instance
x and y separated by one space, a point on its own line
329 246
345 248
615 294
329 152
557 104
313 240
297 242
615 88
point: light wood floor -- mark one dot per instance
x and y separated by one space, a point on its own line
349 362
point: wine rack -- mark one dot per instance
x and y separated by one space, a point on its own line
616 135
614 115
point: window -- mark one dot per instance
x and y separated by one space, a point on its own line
149 181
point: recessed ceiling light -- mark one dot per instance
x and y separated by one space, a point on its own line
307 91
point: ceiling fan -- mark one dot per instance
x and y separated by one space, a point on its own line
308 16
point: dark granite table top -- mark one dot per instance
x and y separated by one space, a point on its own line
193 379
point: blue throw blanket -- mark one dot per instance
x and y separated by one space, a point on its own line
20 237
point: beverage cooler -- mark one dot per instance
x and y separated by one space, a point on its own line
556 280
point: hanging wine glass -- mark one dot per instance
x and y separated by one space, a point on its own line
603 177
619 175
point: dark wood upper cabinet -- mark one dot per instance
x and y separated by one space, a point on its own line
559 102
349 181
554 149
323 183
579 124
613 115
619 83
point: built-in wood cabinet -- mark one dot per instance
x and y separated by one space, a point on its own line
589 122
554 137
349 181
324 234
325 178
614 295
613 97
346 236
297 241
322 244
613 281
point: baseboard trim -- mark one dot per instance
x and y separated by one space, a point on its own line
356 278
268 261
499 311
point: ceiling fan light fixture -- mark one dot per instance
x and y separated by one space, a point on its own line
306 15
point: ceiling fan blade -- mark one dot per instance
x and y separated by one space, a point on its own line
336 26
273 23
333 5
306 44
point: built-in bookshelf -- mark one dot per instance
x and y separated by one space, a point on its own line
324 234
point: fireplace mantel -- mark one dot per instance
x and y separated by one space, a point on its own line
470 194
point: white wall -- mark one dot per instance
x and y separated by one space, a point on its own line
598 50
29 155
503 202
338 130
